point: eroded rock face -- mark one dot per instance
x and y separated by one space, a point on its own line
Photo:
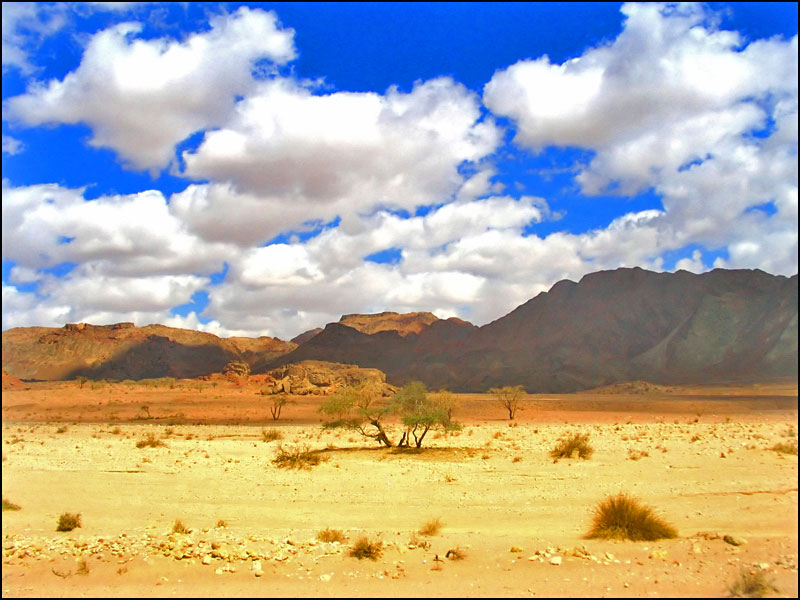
122 351
403 323
320 378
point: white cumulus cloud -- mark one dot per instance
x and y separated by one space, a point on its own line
141 97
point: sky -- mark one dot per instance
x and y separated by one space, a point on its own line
264 168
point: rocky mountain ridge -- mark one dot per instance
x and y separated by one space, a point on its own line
610 327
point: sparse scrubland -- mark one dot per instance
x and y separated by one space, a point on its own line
688 498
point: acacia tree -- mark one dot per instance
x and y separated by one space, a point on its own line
420 412
358 408
278 402
509 398
363 409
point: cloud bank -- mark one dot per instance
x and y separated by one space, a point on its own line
303 203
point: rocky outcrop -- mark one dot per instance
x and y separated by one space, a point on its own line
321 378
403 323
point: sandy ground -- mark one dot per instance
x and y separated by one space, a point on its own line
701 457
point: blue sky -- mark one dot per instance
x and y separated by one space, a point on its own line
263 168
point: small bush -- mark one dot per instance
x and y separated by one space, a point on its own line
569 446
151 441
68 522
363 548
296 458
8 505
179 527
271 435
622 517
751 584
331 535
432 527
786 447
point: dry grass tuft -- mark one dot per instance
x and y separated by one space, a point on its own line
68 522
577 443
151 441
271 435
8 505
432 527
331 536
786 447
296 458
751 584
179 527
363 548
622 517
456 554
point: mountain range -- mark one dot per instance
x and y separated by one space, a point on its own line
611 326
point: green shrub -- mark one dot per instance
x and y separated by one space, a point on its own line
622 517
569 446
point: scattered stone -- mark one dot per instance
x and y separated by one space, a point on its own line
581 552
556 560
733 541
515 549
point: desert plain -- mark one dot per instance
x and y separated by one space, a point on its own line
481 512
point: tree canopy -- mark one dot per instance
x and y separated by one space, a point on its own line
363 409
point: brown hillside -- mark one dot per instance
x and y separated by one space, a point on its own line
611 327
122 351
